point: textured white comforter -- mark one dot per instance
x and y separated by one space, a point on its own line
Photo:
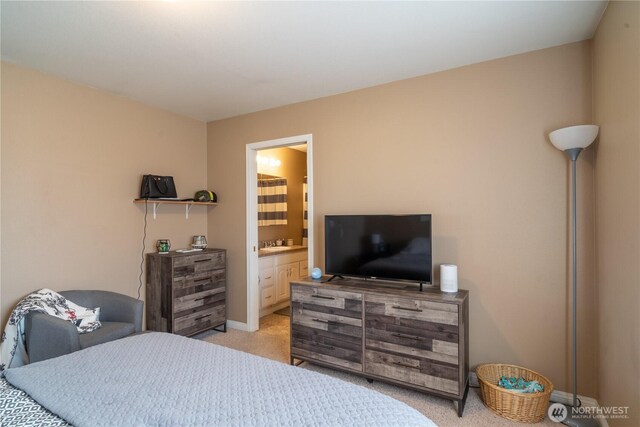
159 379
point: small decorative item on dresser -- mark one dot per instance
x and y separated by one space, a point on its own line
199 242
449 278
163 246
316 273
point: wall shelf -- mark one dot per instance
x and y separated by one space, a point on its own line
187 204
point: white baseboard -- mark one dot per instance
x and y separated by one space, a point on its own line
558 396
237 325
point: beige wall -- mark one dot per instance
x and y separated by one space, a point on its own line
294 168
469 146
616 75
72 160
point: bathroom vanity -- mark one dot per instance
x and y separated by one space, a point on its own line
278 266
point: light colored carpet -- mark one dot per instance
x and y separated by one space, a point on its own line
272 341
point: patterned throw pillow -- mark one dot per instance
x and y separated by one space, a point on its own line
87 319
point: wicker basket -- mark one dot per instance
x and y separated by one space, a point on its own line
523 407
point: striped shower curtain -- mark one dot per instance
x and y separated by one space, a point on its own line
272 201
305 215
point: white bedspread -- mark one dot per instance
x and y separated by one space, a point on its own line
158 379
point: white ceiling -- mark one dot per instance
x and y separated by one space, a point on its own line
211 60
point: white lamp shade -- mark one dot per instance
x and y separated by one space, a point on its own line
574 137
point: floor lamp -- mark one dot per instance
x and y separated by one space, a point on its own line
572 140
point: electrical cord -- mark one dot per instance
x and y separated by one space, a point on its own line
144 238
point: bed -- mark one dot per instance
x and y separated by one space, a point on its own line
18 409
162 379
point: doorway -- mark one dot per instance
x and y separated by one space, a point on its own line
254 297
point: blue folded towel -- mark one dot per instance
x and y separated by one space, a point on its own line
520 385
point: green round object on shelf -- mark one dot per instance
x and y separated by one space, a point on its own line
206 196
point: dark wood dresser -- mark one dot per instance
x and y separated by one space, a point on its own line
395 334
186 292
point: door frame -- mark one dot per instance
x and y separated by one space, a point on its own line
253 291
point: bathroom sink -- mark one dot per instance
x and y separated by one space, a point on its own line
274 248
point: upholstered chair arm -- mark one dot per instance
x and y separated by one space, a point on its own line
48 337
116 307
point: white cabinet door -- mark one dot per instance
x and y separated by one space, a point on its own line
285 274
282 282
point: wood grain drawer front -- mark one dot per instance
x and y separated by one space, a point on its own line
401 335
413 370
199 263
326 346
195 282
429 311
326 325
199 320
320 296
198 300
321 317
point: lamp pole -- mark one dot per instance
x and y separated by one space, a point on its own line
572 140
573 154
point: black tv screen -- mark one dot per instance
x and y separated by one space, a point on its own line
390 247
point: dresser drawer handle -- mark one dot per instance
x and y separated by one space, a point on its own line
202 260
322 297
202 280
267 278
199 299
397 307
321 320
328 347
268 297
202 317
411 337
405 366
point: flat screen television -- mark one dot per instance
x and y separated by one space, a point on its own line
385 247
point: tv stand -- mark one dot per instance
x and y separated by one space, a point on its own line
334 276
413 339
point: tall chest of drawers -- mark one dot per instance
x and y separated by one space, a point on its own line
417 340
186 292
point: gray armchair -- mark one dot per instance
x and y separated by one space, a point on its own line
48 336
